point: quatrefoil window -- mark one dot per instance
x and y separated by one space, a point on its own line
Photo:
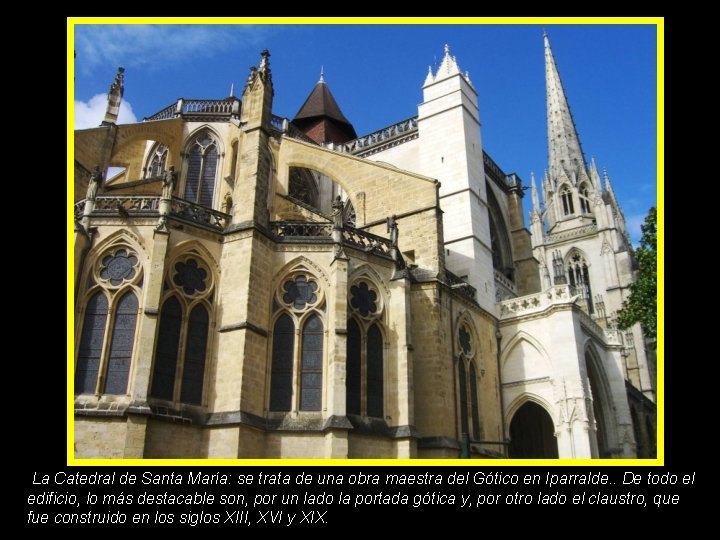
300 292
190 277
118 267
363 299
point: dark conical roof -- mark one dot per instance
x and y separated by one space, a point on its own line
321 102
321 119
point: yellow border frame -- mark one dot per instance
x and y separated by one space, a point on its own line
659 22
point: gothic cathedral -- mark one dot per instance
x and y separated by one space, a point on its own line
245 287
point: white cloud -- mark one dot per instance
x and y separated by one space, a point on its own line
633 227
90 114
156 45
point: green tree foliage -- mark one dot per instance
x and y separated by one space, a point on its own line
641 305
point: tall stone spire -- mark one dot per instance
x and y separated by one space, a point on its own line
564 150
115 94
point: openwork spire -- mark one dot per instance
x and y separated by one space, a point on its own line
564 150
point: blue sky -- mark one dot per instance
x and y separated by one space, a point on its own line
376 73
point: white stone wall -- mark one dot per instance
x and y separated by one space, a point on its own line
543 360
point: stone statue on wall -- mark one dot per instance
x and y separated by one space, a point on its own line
96 178
392 229
337 213
169 183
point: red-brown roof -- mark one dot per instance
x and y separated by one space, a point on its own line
321 102
321 119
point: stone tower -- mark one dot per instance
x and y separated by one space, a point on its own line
580 236
451 151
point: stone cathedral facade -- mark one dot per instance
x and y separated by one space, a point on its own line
252 286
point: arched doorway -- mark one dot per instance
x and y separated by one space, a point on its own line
532 433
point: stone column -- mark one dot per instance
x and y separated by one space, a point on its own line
153 281
401 409
336 444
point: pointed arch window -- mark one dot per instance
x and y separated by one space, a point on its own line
365 369
467 381
282 364
474 406
183 331
121 344
166 352
303 186
374 372
584 195
157 161
194 366
353 370
311 369
567 201
91 344
349 216
462 385
107 335
579 278
202 165
297 301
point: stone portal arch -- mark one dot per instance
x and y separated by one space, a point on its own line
532 433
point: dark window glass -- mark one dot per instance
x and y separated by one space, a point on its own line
118 267
311 365
167 350
121 347
475 411
91 343
194 365
465 340
207 186
192 181
300 292
282 364
579 279
374 372
363 299
303 187
190 277
463 397
352 375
